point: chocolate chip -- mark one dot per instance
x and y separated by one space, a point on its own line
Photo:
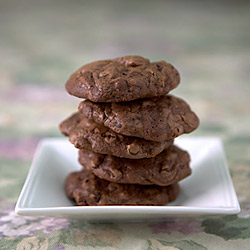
97 196
134 64
133 149
115 174
149 79
104 117
109 137
133 153
112 187
165 169
118 125
112 175
80 200
159 68
91 77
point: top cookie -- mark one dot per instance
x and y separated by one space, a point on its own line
123 79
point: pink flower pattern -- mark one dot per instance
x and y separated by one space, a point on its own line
15 226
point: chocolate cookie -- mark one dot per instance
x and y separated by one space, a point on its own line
88 135
170 166
88 190
156 119
123 79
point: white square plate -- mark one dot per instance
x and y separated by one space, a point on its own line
208 191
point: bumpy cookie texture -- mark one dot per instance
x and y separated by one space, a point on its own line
123 79
88 135
156 119
170 166
88 190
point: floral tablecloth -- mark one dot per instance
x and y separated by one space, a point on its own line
41 43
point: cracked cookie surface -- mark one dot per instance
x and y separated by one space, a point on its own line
87 134
170 166
123 79
88 190
156 119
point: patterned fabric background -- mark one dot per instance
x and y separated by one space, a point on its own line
42 42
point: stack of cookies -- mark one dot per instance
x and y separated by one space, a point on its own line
125 132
